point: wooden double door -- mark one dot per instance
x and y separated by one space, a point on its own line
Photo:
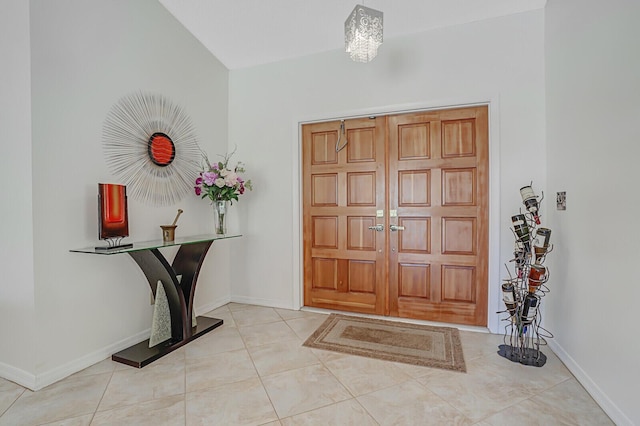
395 215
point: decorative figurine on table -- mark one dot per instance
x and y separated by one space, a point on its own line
113 218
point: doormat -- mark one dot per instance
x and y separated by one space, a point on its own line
424 345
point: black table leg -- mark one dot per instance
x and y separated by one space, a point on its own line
187 263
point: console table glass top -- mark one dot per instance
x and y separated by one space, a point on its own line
155 244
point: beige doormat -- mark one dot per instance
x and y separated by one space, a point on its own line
415 344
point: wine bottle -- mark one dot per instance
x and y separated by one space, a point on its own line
509 297
522 230
529 308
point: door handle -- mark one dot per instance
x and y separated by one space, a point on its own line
378 228
396 228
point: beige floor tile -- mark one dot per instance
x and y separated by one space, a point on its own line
160 379
233 307
281 356
104 366
75 421
160 412
490 385
241 403
361 375
264 334
9 393
305 326
476 344
218 311
219 369
411 404
326 356
296 391
216 341
255 315
348 412
287 314
415 371
564 404
71 397
226 317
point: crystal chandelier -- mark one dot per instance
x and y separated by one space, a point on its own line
363 33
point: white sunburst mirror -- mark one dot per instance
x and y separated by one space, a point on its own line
151 145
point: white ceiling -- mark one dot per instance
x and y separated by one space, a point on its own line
244 33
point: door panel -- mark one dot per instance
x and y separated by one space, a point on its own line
425 172
344 260
438 165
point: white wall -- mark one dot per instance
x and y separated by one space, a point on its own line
593 111
17 316
85 55
499 60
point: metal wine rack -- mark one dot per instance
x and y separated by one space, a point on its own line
523 291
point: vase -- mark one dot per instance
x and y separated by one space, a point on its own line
220 208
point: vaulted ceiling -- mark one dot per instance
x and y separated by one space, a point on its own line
244 33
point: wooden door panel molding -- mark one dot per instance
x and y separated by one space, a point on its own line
324 189
459 138
359 234
459 235
361 189
458 283
414 280
416 236
414 141
459 187
323 149
414 188
325 232
361 145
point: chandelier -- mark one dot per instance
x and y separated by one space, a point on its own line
363 33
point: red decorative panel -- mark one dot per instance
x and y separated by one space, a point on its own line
414 280
458 283
325 232
324 190
361 145
359 236
113 216
323 148
362 276
458 138
325 273
414 188
416 237
361 189
459 235
459 187
413 140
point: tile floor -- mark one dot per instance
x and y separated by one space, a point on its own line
254 371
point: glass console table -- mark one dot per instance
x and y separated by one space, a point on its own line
179 292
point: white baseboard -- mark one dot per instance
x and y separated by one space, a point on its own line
203 309
37 382
18 376
609 407
262 302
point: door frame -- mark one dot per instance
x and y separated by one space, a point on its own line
492 102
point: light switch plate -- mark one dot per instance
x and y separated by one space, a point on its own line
561 200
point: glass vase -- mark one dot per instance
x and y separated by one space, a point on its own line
220 208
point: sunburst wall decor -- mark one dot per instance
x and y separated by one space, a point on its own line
150 143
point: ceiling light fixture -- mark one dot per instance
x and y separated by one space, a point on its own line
363 33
